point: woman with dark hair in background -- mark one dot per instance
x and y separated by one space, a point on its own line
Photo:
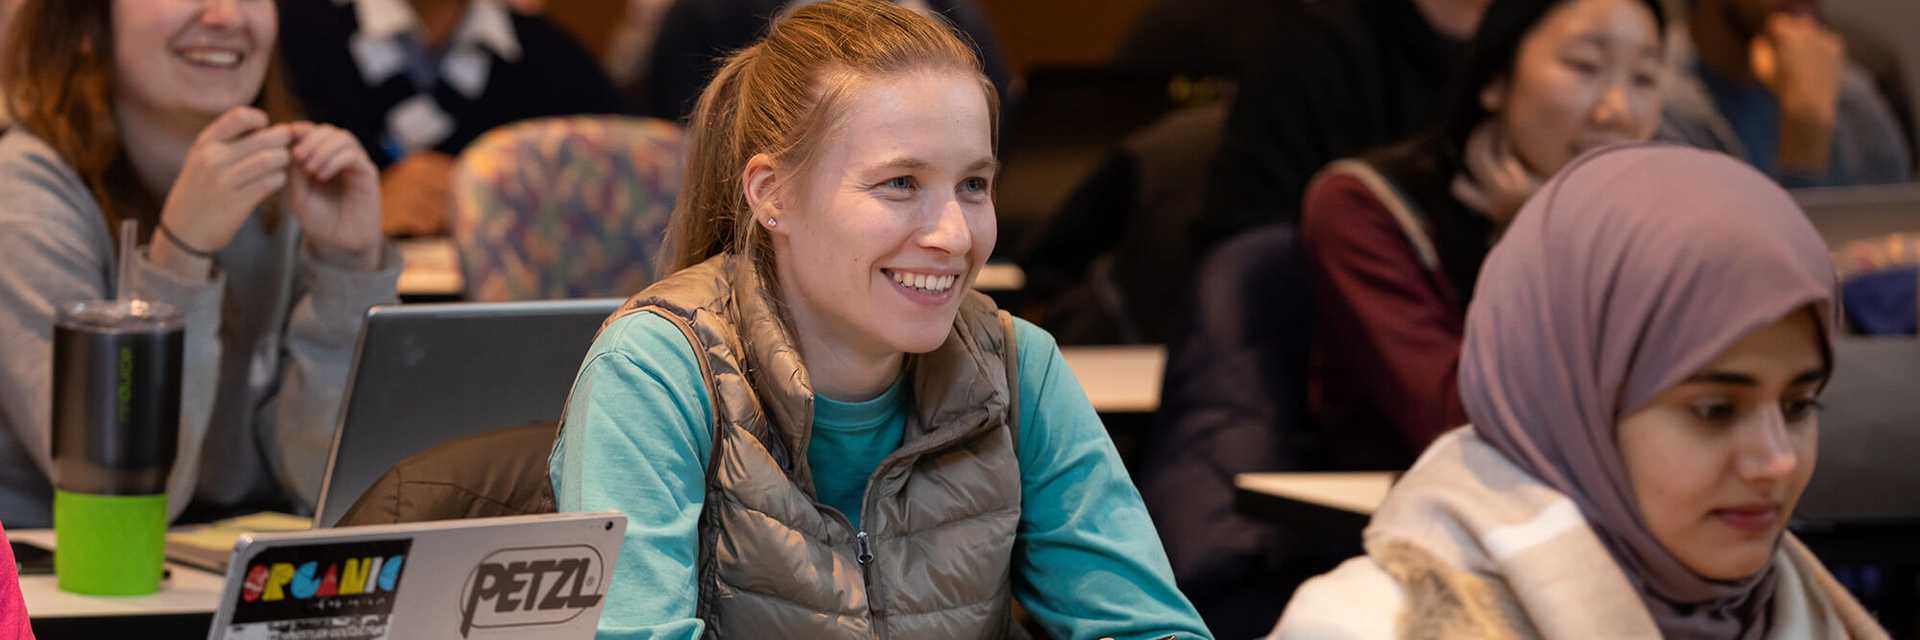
1395 238
1545 78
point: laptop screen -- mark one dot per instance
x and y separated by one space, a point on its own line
428 374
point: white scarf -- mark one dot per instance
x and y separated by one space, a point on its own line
1470 536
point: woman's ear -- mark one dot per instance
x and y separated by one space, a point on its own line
1493 97
760 181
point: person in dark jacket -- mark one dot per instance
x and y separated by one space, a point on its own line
1341 78
696 35
417 80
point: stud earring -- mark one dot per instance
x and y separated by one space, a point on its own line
770 222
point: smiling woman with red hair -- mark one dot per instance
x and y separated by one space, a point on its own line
815 427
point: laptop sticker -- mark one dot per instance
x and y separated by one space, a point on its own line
531 587
336 591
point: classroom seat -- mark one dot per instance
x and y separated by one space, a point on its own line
570 207
498 473
1233 401
1102 268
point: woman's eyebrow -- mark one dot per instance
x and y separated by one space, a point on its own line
1810 376
904 163
1723 377
1745 380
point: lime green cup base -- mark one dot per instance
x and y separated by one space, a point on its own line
109 545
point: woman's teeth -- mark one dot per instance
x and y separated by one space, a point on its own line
212 57
924 282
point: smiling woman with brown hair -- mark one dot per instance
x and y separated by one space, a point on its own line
262 230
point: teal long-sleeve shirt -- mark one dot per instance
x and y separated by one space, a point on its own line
1087 564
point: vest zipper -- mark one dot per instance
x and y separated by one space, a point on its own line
862 545
875 612
864 555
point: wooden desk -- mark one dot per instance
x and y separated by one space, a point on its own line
183 607
1119 379
432 268
1323 512
1353 492
1317 517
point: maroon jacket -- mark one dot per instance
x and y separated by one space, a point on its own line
1388 321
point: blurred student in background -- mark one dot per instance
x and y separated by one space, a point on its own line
1393 241
1768 82
417 80
1339 78
1396 237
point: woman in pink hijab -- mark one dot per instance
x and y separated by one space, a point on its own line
1641 364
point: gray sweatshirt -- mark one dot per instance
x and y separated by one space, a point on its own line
269 339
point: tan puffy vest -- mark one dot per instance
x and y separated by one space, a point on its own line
935 557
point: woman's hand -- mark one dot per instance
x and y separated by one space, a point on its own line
1802 64
232 167
1496 183
334 190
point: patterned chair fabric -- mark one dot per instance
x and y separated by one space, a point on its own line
572 207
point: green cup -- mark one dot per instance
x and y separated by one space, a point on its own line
116 425
109 545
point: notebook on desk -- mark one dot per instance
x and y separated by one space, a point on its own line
539 577
207 546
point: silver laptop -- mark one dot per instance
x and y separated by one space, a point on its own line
538 577
1845 214
424 374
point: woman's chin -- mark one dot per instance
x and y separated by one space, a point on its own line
922 335
1734 564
